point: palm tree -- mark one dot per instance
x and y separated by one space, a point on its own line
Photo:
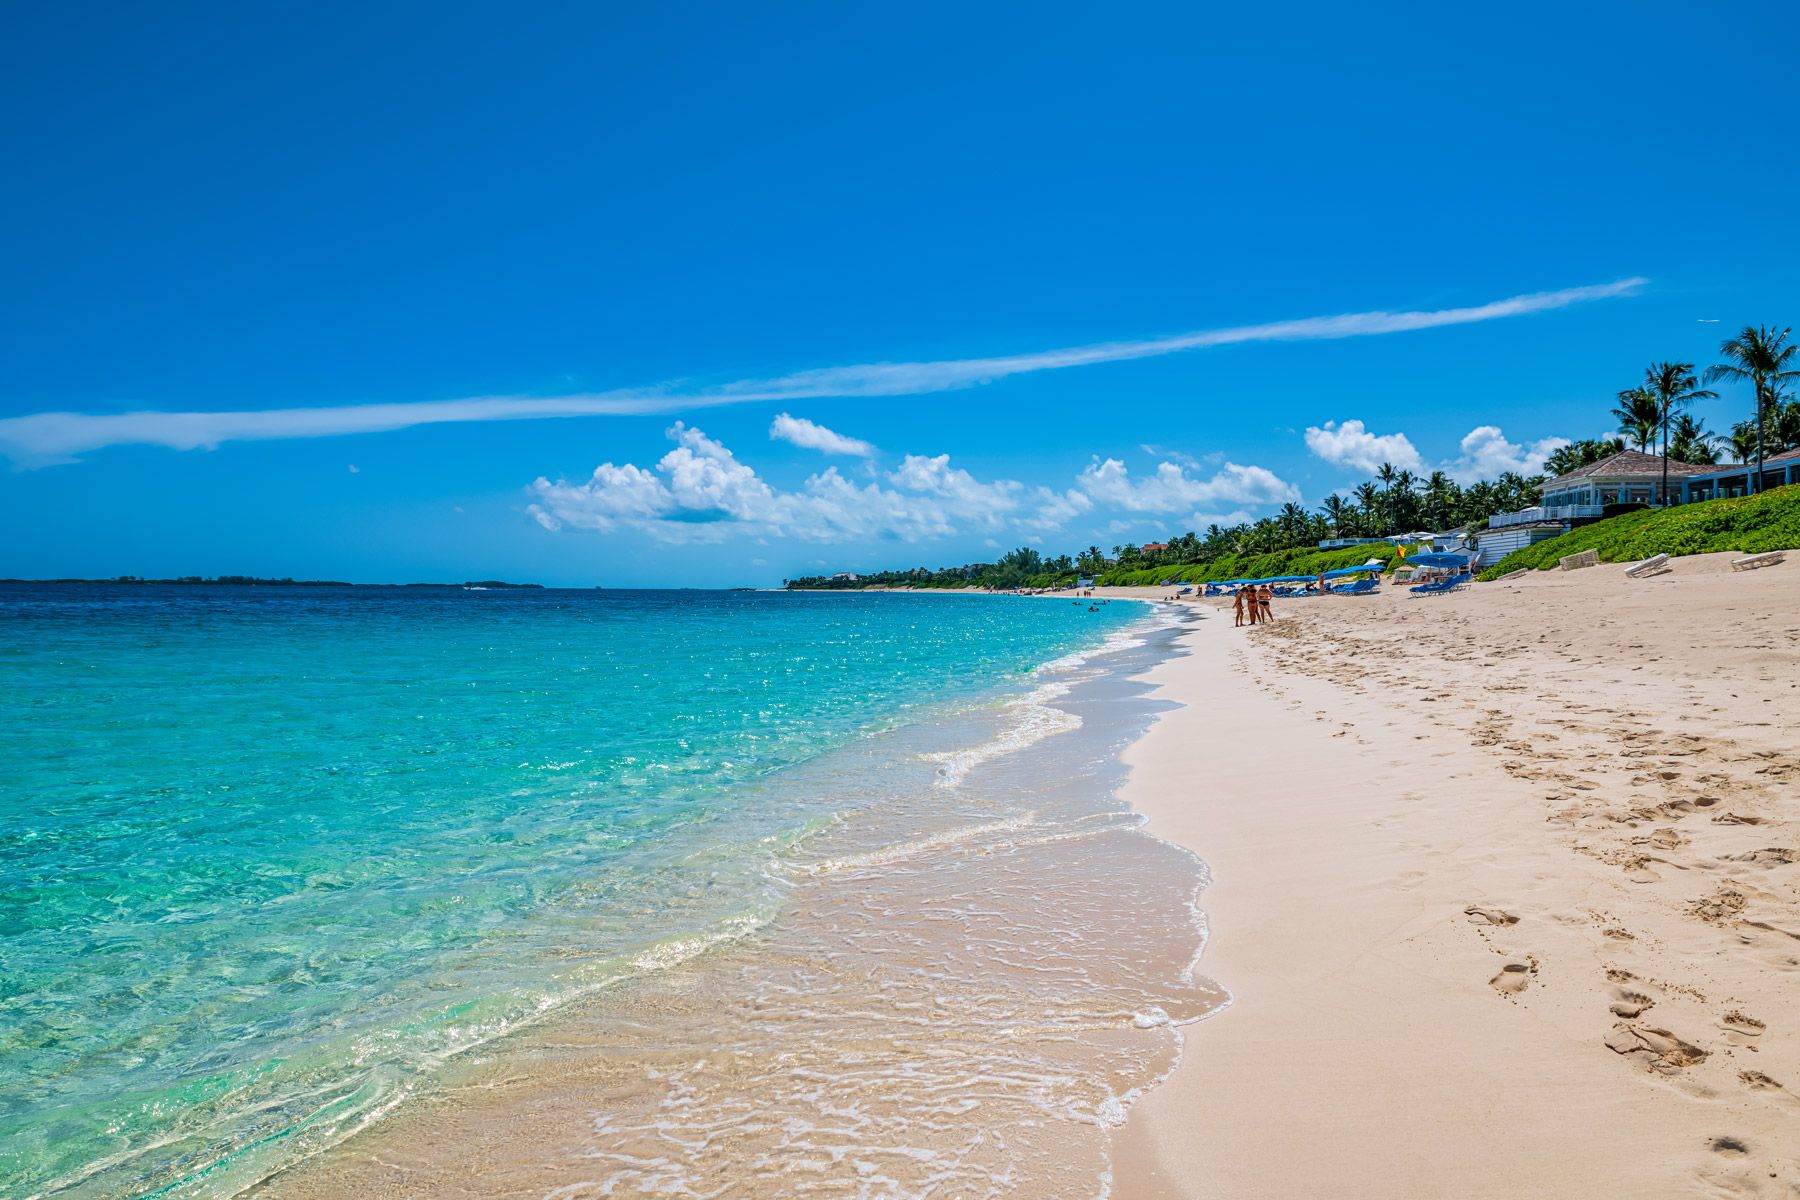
1440 501
1638 414
1764 356
1369 501
1389 475
1673 386
1692 442
1576 455
1406 500
1784 421
1336 510
1743 441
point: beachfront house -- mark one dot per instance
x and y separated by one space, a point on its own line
1628 477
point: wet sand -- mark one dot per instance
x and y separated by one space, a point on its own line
1505 892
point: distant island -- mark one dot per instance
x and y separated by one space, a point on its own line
257 581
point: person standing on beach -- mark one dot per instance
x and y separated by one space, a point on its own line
1265 602
1237 609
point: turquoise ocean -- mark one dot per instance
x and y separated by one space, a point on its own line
268 855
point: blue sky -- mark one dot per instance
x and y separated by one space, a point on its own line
644 212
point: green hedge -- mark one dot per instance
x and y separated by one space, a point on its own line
1751 524
1298 560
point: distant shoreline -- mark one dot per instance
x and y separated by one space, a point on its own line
252 581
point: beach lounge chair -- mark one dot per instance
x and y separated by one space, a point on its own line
1361 587
1655 564
1772 559
1574 562
1438 587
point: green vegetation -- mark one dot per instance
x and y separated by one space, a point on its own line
1300 560
1022 568
1751 524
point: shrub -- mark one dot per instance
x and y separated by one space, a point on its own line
1299 560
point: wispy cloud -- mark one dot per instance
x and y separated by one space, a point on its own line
52 437
810 435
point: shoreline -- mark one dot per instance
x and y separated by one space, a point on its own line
1444 981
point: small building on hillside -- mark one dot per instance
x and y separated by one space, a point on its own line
1496 544
1392 539
845 577
1154 547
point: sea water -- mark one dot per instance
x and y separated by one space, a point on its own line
279 864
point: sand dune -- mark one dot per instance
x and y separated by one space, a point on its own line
1506 889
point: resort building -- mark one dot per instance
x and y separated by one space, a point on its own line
1633 478
1719 483
1625 478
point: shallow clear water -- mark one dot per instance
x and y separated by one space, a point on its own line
269 857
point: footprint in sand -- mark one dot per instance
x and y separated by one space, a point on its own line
1768 856
1514 977
1756 1081
1657 1049
1628 1003
1741 1030
1720 907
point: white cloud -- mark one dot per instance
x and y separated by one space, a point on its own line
810 436
1049 509
700 492
1171 489
1352 445
1484 452
44 438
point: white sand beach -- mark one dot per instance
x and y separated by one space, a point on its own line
1504 888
